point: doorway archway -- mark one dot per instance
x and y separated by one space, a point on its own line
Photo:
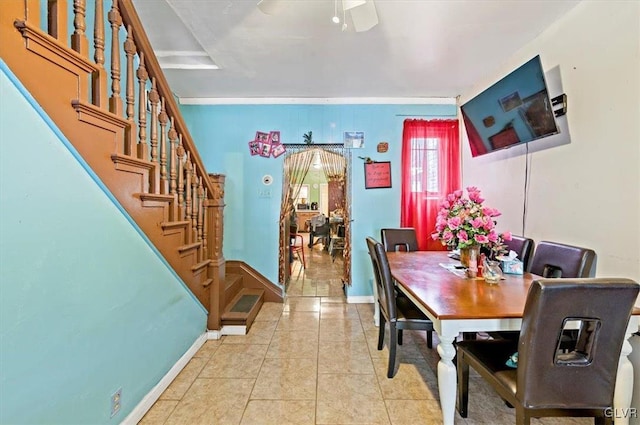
335 162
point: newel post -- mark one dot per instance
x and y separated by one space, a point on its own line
215 207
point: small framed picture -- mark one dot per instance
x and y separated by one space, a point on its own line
274 137
254 148
354 139
265 149
262 137
511 101
377 175
277 149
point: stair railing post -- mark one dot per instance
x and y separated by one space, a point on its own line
215 225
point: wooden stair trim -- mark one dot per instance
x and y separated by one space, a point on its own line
44 45
100 115
189 247
131 164
200 265
170 225
254 279
243 318
207 282
156 198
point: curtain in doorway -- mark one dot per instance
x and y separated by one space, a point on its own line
430 171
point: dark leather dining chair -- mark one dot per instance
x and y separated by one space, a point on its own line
400 312
547 380
523 247
552 259
399 239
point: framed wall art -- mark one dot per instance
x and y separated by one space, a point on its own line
377 175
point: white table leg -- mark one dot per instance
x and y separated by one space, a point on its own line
447 378
624 386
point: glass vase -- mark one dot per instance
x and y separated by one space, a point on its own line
467 253
491 272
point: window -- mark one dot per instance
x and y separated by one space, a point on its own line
425 166
303 195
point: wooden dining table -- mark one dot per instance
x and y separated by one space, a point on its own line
459 304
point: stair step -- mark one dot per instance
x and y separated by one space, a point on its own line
243 308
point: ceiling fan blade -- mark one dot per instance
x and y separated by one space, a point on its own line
364 17
269 7
350 4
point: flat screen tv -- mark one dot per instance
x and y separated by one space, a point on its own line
515 110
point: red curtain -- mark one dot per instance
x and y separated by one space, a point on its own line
423 189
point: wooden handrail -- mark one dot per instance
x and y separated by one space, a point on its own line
130 17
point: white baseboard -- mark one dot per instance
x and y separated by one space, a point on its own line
233 330
214 335
366 299
152 396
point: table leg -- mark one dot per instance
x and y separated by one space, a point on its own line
624 386
447 378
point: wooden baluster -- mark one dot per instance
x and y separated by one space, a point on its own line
56 19
79 41
115 102
130 50
154 100
200 224
99 78
164 119
194 203
187 192
143 149
205 204
181 172
173 141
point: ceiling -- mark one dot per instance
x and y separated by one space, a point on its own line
420 48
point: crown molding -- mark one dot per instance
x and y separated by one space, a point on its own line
317 101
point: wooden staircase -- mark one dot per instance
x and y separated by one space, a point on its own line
132 135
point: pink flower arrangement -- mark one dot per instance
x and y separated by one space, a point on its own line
463 222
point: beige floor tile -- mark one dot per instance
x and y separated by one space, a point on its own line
213 401
185 378
299 321
302 304
270 312
294 344
412 412
286 379
260 333
349 399
412 381
209 347
159 412
341 330
344 357
280 412
235 361
327 299
338 311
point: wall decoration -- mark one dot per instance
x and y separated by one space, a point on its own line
510 101
254 148
488 121
383 147
377 175
277 149
265 149
308 137
354 139
274 137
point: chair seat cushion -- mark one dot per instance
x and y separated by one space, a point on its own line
492 355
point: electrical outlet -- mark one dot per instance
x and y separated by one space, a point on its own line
116 399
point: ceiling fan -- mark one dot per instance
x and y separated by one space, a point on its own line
362 12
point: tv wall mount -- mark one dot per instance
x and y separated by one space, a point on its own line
559 100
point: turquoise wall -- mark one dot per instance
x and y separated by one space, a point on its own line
221 133
87 306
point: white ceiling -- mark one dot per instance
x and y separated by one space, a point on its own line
420 48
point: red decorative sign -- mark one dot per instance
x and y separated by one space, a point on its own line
377 175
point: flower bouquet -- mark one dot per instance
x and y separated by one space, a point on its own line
465 222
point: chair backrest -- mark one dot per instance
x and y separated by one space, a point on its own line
399 239
584 377
523 247
382 278
553 259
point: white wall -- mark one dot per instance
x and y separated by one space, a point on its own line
585 193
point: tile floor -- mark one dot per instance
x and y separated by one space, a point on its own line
314 360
